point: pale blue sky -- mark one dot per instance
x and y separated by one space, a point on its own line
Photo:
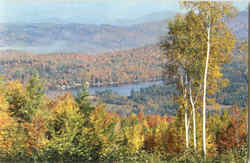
84 11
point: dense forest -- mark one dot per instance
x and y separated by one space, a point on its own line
36 128
62 71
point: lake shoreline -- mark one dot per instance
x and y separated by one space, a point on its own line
122 90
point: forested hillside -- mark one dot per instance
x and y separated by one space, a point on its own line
66 70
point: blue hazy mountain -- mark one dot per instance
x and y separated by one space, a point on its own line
73 37
56 35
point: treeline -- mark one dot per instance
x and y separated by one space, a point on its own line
36 128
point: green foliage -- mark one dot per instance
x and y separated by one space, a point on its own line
64 127
82 99
19 102
35 91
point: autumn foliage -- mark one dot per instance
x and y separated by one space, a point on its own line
39 129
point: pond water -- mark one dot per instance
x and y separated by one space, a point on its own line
122 90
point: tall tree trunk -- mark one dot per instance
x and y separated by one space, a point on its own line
205 88
186 127
186 113
194 115
186 122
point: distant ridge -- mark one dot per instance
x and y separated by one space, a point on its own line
91 38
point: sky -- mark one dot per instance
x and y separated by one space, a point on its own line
84 11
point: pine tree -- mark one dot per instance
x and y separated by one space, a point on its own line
82 99
35 91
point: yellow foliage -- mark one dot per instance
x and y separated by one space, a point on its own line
15 85
18 100
105 130
3 104
134 137
6 122
64 104
8 133
36 131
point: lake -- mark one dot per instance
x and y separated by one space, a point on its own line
122 90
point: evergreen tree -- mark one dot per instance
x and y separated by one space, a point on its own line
35 91
82 99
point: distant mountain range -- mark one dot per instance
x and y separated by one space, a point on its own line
90 38
85 38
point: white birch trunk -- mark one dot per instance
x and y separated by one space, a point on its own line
194 116
186 114
205 89
186 126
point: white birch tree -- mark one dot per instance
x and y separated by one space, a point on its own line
197 46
